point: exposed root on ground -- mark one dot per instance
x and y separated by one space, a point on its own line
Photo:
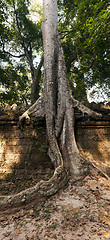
39 192
44 189
99 170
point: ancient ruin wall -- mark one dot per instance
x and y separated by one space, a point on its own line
24 147
94 140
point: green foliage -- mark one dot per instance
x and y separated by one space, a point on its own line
85 30
25 30
15 85
18 35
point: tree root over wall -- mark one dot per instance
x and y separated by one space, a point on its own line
44 189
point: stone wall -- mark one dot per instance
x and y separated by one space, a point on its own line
93 138
22 148
27 147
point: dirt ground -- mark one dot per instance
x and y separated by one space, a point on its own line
81 211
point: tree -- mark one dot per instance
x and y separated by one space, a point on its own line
57 107
84 30
14 85
20 38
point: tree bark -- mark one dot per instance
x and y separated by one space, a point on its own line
35 72
57 107
36 78
59 112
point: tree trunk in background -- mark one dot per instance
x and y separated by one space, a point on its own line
35 73
59 111
36 78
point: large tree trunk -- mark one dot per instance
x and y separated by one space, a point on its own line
59 112
57 107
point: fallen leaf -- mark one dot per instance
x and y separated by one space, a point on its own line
33 236
102 221
47 234
31 212
105 233
18 231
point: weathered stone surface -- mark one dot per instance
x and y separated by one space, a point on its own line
19 145
95 141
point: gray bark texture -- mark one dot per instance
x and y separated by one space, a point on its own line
57 107
58 104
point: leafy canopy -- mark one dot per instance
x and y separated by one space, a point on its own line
18 34
85 31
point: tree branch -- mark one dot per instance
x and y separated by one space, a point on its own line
85 110
28 54
12 55
36 110
6 52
